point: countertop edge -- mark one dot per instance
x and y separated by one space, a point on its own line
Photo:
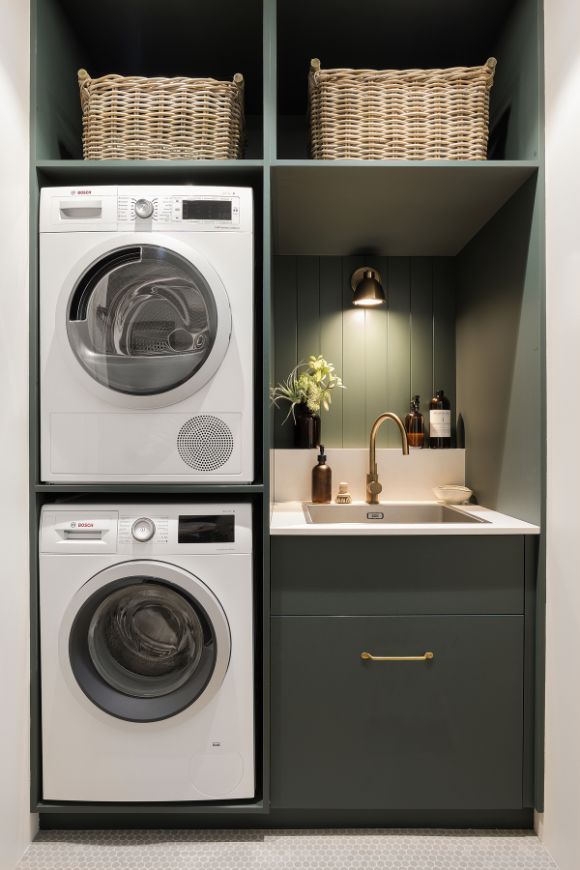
288 519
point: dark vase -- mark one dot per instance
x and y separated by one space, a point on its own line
306 427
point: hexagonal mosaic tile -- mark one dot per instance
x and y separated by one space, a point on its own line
357 849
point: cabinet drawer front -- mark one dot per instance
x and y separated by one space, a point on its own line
441 734
396 576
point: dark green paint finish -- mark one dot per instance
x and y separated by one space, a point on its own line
364 735
383 355
516 93
67 818
531 565
458 34
444 306
499 381
410 210
397 575
57 53
173 39
389 208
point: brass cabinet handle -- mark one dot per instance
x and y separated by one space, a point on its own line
368 657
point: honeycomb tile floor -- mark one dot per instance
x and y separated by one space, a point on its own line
356 849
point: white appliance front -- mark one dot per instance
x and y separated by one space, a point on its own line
146 624
146 334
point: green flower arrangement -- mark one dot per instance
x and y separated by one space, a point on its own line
310 384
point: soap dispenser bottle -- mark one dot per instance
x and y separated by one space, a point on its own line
414 426
321 480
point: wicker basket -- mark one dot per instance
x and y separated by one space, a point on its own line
136 118
410 114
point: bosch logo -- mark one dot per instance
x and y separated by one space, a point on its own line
81 192
85 525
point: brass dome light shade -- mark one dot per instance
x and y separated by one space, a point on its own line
367 288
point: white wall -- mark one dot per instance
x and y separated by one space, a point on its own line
560 827
15 821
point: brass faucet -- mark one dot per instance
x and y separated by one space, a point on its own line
374 488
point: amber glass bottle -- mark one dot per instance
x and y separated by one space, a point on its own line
321 480
414 426
439 421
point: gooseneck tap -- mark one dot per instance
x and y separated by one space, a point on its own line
374 488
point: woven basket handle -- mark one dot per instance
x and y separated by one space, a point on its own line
491 64
84 82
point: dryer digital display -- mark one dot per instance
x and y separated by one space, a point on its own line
207 210
206 529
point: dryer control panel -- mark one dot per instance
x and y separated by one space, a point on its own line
182 208
147 529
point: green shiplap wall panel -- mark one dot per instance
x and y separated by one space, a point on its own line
376 350
444 331
307 307
331 308
354 430
422 331
383 355
286 332
399 342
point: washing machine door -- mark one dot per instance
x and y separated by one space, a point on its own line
145 640
143 320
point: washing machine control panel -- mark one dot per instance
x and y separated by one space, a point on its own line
155 530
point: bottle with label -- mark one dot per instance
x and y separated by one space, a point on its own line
321 480
440 421
414 426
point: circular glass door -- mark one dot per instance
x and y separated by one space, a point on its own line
143 649
143 320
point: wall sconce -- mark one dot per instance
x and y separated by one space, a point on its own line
367 288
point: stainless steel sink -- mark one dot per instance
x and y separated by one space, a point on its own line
387 514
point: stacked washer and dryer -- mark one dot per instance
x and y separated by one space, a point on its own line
146 609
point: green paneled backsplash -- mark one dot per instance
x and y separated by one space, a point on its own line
383 355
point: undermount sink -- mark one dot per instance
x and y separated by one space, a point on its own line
387 514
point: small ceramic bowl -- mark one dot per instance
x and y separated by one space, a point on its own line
452 493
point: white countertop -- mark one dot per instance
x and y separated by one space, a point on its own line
288 518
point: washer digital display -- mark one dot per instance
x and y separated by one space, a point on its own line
206 529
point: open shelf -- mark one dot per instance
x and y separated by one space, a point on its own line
432 208
146 489
80 172
390 34
173 38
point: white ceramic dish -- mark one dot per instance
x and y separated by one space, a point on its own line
452 493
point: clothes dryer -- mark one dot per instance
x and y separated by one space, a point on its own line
146 615
146 334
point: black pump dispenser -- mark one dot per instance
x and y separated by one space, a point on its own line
321 480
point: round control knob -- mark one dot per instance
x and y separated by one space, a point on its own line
143 529
143 208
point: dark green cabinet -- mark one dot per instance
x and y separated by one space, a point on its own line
444 734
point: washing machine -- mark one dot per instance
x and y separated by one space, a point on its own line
147 675
146 334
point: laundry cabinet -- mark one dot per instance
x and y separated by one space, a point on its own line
444 726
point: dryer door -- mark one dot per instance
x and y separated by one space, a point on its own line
145 640
143 320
